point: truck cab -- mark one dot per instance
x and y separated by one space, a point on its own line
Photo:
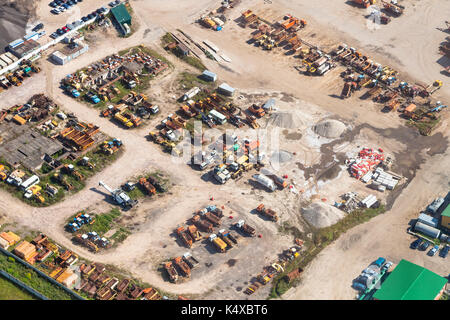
154 109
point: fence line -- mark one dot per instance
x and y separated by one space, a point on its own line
22 285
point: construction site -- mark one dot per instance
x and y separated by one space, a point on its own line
46 153
112 84
272 145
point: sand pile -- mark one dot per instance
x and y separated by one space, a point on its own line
321 215
329 128
14 15
281 157
285 120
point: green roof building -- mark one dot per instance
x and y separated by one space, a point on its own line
445 217
409 281
120 13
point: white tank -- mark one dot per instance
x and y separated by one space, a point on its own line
265 181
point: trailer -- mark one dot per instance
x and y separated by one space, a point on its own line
190 260
245 228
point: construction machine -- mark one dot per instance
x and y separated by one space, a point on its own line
194 233
119 196
393 8
439 106
171 271
156 137
61 180
225 236
190 260
220 245
257 110
183 266
432 88
147 186
184 237
246 228
202 224
272 215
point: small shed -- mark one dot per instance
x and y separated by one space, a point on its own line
183 49
428 220
226 89
121 15
209 76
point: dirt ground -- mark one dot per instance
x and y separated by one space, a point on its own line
258 75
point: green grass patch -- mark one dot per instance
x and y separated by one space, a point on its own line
9 291
103 222
167 38
195 62
189 80
32 279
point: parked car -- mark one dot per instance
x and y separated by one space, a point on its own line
53 4
424 246
380 261
444 251
38 27
55 11
433 251
60 32
416 243
84 19
54 35
387 265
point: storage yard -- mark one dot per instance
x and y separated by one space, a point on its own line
267 145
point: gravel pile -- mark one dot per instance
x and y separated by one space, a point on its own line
329 128
285 120
281 157
321 215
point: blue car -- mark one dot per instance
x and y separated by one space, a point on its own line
380 261
433 251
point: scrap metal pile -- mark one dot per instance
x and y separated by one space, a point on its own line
366 161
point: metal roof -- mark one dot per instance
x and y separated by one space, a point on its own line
121 14
226 87
446 212
429 220
409 281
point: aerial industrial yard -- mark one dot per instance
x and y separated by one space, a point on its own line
225 150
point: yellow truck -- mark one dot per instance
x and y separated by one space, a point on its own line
126 122
220 245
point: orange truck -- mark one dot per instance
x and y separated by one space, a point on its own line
364 3
183 266
257 110
173 274
151 190
184 237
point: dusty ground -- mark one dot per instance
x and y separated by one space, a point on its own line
254 72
